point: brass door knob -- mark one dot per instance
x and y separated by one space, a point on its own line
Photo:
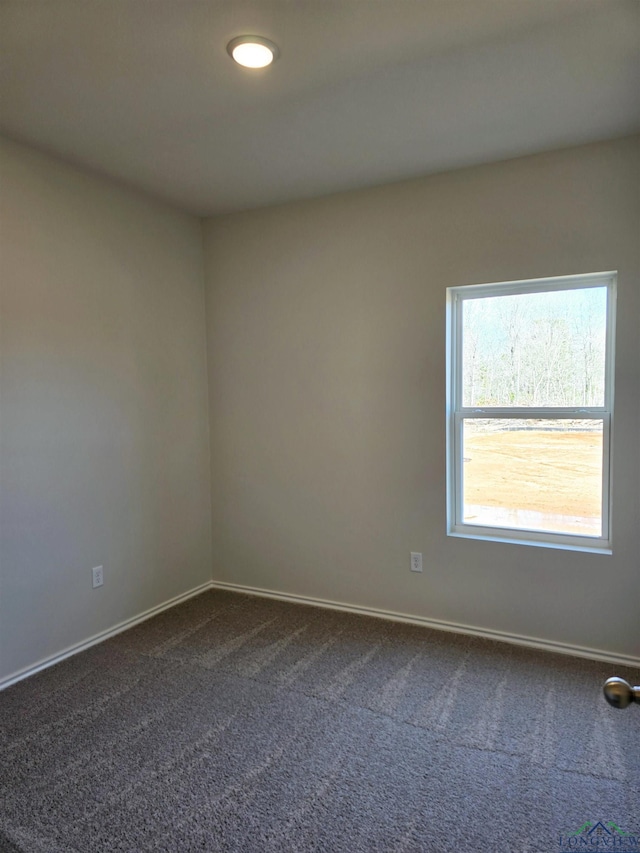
620 693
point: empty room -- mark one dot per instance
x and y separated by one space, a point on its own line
319 426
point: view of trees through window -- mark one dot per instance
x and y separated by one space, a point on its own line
535 349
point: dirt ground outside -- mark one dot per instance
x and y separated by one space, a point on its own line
550 473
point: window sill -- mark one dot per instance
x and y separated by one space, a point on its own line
605 548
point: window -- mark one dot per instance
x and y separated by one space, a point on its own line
529 410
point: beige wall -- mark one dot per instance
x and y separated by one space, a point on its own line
326 329
104 410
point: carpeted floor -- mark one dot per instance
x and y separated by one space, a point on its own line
234 723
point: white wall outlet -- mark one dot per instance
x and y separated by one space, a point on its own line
98 576
416 562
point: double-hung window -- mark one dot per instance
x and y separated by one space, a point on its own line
529 410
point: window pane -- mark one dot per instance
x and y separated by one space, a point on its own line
530 474
535 349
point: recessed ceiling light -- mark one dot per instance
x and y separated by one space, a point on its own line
253 51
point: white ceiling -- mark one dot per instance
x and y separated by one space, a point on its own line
365 91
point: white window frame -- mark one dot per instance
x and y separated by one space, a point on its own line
457 413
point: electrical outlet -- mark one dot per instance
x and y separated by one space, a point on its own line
98 578
416 562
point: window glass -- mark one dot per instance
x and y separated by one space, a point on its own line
533 474
535 349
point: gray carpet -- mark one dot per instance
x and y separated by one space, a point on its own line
234 723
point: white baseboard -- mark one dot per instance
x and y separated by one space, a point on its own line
501 636
103 635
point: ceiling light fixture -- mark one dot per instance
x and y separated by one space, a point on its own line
253 51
